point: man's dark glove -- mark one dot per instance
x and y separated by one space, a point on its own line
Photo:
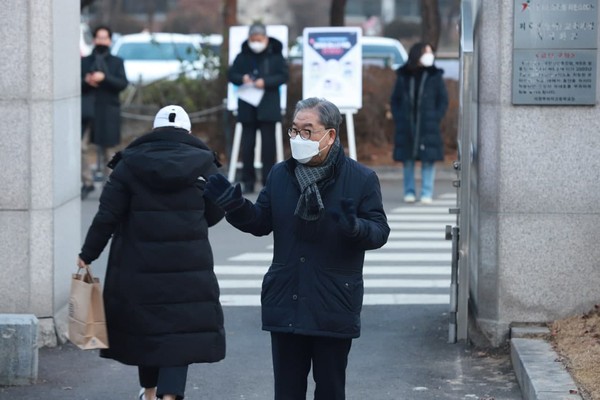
347 220
222 193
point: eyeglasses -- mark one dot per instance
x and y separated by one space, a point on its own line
304 133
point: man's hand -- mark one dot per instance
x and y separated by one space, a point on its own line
246 79
347 219
98 76
259 83
89 79
222 193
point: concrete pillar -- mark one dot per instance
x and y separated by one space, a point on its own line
539 197
18 349
39 157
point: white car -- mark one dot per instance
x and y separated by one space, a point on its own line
391 50
375 50
149 57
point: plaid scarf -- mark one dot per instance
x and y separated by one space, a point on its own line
310 205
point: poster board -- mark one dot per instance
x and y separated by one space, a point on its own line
332 65
237 36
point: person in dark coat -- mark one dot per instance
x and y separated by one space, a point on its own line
260 64
324 210
419 102
102 79
160 294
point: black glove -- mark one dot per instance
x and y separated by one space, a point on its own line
347 220
222 193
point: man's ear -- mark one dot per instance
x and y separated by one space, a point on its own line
332 136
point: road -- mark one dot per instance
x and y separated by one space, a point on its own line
402 353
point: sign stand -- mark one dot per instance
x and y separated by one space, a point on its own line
235 149
351 136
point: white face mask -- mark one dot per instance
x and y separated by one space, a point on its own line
427 59
304 150
257 47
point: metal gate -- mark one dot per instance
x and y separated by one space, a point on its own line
464 257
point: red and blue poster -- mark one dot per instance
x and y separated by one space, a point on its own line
332 65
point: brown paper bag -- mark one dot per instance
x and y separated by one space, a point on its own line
87 323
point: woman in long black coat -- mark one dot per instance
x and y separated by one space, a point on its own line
161 294
100 105
418 104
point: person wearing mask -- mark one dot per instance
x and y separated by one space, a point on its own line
324 211
102 79
161 295
418 104
260 64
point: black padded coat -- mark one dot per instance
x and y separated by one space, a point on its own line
314 285
160 293
102 104
418 118
268 65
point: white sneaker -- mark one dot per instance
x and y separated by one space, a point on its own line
426 200
142 397
410 198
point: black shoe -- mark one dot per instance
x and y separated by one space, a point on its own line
86 190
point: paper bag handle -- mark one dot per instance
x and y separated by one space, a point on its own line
88 272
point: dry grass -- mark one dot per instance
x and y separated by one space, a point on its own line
577 341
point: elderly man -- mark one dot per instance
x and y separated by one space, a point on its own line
261 65
325 210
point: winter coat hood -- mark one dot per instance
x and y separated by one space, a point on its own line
188 158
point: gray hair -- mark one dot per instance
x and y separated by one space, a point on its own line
329 114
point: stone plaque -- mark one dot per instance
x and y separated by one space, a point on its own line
555 52
566 77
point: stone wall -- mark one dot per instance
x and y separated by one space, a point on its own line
39 157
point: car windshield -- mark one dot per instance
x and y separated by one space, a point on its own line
158 51
373 50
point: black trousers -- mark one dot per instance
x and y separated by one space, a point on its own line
292 357
167 380
267 152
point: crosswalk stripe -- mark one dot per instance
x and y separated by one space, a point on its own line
417 244
369 256
372 299
368 299
417 226
408 257
435 234
422 217
419 210
368 283
439 206
226 270
448 196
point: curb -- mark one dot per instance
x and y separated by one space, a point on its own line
540 375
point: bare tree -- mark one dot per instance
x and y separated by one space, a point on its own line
336 15
229 20
150 11
431 20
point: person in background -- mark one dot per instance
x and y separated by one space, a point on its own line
102 79
418 104
261 64
324 211
161 294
